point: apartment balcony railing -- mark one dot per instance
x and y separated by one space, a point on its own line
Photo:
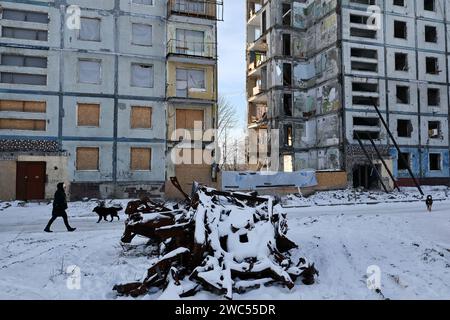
192 49
205 9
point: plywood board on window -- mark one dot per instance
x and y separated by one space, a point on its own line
140 159
185 118
34 106
87 158
88 115
23 106
23 124
141 117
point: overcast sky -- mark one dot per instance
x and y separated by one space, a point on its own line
231 39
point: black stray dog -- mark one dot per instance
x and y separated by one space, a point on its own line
104 212
429 203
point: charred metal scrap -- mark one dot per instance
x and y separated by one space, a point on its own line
223 242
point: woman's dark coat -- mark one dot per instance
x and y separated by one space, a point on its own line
59 202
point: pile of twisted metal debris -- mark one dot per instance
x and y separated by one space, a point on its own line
222 242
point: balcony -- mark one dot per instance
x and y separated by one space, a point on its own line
203 9
192 49
255 61
257 117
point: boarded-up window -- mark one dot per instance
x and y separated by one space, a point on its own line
87 158
186 118
141 117
88 115
23 124
141 159
23 106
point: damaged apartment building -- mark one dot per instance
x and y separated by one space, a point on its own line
319 69
90 92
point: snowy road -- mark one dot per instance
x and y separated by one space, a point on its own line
411 248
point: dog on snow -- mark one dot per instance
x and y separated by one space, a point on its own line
103 212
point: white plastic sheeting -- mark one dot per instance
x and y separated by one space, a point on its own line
235 180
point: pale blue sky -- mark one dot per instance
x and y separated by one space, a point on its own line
231 39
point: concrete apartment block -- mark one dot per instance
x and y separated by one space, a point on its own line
90 106
316 67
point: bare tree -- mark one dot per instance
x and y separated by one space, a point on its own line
227 120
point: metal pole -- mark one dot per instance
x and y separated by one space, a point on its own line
402 158
371 163
384 163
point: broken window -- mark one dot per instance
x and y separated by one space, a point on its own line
22 78
434 97
363 32
403 165
368 2
432 65
401 61
400 30
287 74
89 71
429 5
364 66
141 117
366 135
403 94
141 34
263 22
288 139
23 61
23 106
404 128
364 121
431 34
141 75
286 44
87 159
364 53
365 101
435 162
26 16
287 104
140 159
286 14
288 163
90 29
22 124
364 87
88 115
434 129
25 34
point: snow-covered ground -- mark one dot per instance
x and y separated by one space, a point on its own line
396 233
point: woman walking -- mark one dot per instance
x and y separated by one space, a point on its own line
59 208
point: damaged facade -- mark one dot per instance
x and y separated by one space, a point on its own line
316 68
93 105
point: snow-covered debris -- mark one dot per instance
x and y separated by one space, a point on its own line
226 242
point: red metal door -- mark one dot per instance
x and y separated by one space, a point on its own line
30 182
